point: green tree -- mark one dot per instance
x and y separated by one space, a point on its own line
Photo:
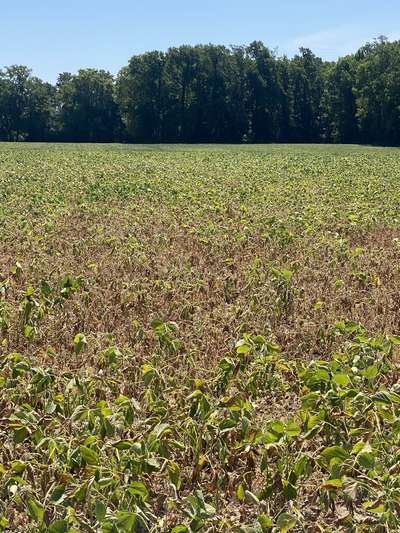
140 90
340 102
26 105
265 94
377 90
86 107
307 86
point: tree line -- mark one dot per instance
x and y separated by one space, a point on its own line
211 93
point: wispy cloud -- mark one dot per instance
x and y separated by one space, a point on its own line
332 43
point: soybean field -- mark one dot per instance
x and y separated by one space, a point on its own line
199 338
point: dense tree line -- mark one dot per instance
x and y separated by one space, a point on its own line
210 93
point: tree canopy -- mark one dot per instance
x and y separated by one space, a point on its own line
212 93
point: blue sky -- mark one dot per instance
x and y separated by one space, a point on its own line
51 36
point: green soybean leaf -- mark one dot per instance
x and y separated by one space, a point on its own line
341 379
286 522
35 509
335 452
136 488
90 456
265 522
100 511
60 526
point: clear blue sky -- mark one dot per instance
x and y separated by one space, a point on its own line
53 36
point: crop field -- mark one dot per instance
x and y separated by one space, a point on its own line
199 338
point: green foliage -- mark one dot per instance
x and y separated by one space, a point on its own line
213 93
